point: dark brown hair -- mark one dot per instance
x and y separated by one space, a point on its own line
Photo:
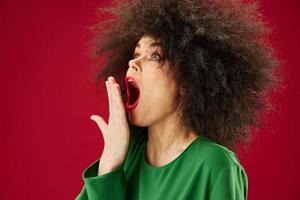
219 50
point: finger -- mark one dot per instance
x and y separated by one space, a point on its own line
112 79
100 122
112 83
116 96
119 98
109 95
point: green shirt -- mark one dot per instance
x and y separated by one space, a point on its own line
205 170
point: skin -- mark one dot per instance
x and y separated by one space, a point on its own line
157 105
157 110
115 132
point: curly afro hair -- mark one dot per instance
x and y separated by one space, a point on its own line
219 50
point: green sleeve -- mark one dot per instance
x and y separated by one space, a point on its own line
110 185
230 184
107 186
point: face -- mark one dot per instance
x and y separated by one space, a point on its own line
155 81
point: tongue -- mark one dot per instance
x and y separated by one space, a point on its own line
133 95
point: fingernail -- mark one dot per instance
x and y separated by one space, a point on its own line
110 78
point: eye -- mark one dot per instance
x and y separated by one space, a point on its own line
135 55
156 56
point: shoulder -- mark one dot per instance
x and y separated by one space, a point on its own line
221 167
215 156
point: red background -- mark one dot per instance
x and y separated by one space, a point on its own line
47 138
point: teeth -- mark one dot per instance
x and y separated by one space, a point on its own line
132 82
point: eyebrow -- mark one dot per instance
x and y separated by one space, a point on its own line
153 44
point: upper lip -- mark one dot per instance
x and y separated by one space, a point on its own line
129 79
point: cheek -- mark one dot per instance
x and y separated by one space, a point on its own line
168 96
158 100
163 89
160 97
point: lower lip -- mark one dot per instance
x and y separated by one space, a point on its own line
131 107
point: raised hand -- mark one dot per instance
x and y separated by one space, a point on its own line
116 132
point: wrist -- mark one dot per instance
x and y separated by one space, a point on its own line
107 166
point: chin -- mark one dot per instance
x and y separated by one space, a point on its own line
137 121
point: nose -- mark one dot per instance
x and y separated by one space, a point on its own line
134 66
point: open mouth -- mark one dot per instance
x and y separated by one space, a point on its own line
133 93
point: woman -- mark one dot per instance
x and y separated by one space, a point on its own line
185 79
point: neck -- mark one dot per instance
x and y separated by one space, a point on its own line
169 135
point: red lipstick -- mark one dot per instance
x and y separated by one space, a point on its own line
133 93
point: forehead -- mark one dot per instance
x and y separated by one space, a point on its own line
147 42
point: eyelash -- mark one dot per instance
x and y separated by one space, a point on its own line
157 54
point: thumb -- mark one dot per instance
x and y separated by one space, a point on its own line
100 122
